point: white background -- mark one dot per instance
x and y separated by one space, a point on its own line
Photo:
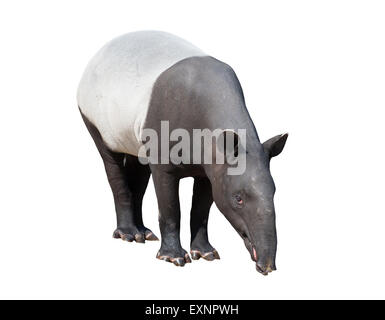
315 69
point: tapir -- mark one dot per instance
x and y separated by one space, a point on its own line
141 79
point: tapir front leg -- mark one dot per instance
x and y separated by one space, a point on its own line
201 203
166 188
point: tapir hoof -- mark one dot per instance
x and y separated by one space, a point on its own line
178 261
209 256
150 236
134 235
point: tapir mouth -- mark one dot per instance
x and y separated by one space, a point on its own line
264 271
263 268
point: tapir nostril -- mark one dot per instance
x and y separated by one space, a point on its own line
265 269
261 270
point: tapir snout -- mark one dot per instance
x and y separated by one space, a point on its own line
263 252
265 263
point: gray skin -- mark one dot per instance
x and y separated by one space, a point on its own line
198 93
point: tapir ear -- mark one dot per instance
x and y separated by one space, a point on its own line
230 146
228 142
274 146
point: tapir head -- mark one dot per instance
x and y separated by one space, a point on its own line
246 200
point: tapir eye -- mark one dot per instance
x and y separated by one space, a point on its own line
238 200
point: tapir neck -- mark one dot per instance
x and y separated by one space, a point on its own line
231 113
216 99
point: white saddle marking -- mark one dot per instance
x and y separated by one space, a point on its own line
115 90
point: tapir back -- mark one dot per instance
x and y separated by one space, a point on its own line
115 90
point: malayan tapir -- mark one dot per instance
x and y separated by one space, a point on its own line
141 79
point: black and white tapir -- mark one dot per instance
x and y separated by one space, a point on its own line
141 79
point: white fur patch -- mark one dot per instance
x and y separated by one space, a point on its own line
115 90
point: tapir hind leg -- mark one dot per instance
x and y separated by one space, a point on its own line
128 179
201 203
128 188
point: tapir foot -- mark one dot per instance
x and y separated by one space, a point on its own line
209 256
203 249
135 234
179 259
